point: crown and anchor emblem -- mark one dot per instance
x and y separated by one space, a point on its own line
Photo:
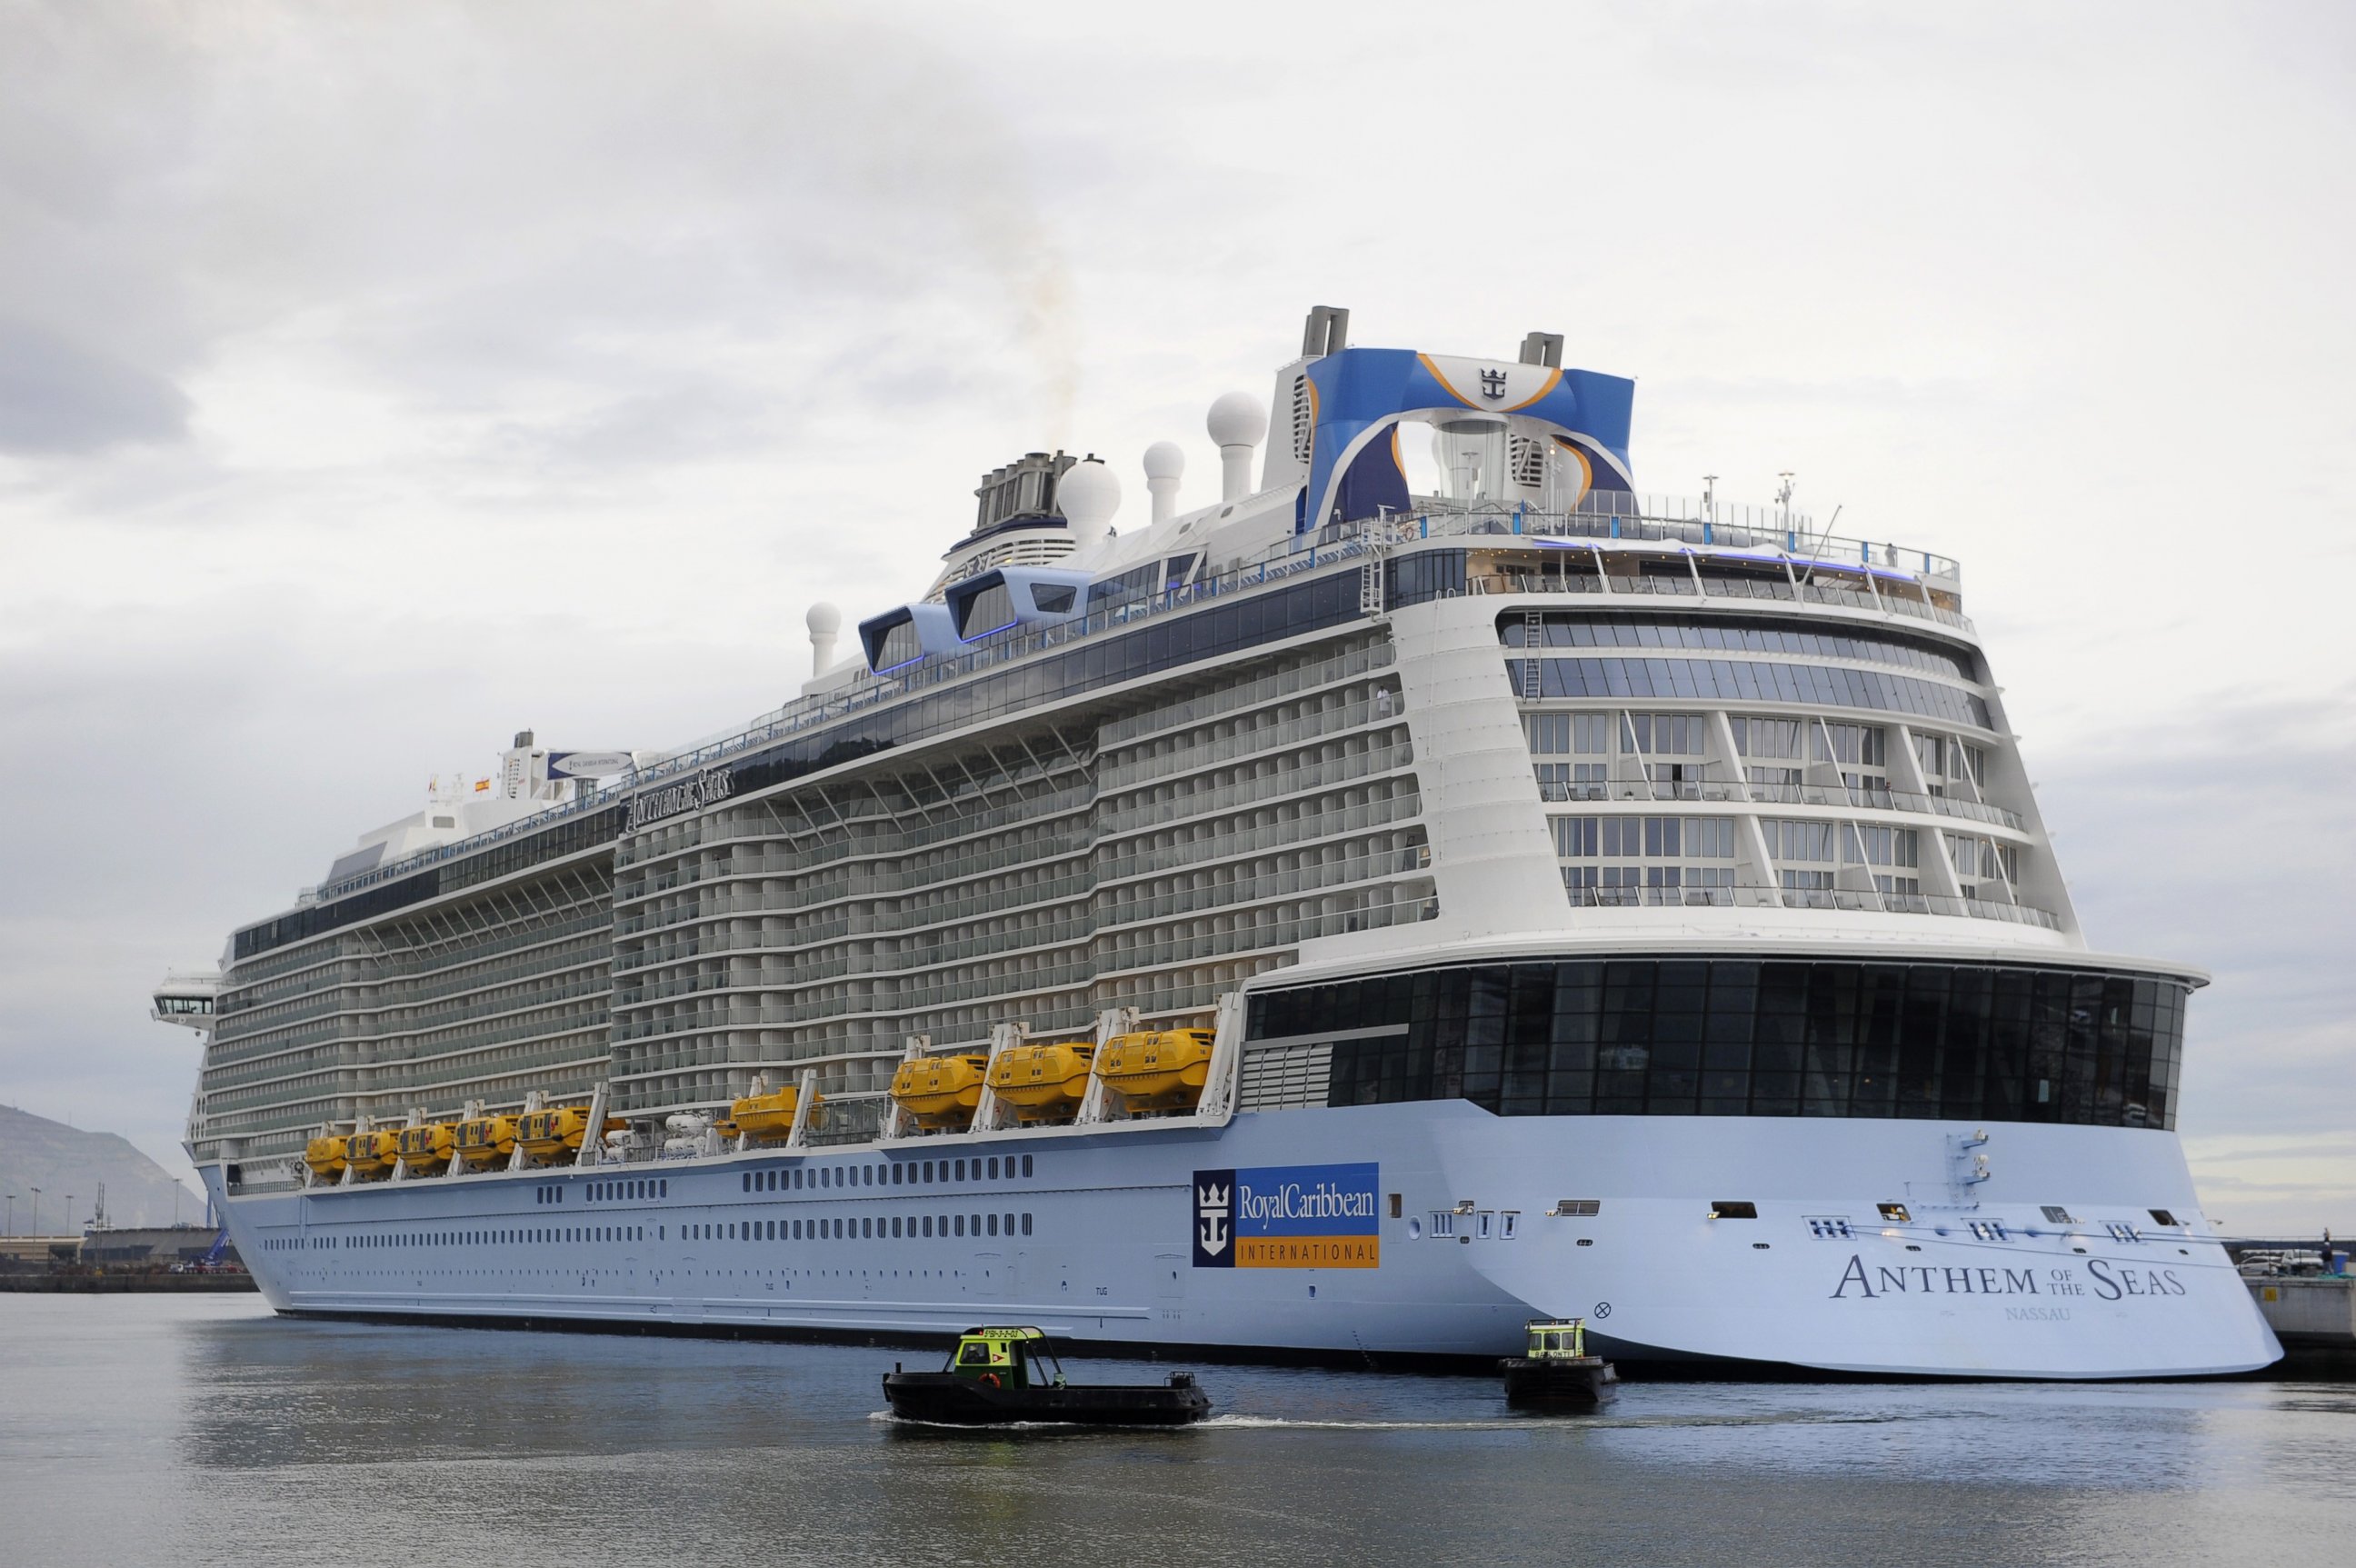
1212 1203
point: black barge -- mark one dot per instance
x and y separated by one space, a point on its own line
998 1376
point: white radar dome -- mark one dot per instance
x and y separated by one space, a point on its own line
1237 419
1165 460
823 620
1087 495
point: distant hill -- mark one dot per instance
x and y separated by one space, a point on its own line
62 1160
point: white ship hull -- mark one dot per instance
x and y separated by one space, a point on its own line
1112 1214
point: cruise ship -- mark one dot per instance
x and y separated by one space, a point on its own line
1434 887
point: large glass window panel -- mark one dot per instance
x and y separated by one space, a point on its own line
1965 1042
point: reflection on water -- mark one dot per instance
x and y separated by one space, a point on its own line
200 1430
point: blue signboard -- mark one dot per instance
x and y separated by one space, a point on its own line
1289 1216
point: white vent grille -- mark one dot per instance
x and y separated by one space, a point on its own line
1285 1078
1527 460
1303 432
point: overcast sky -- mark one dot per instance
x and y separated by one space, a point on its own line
378 379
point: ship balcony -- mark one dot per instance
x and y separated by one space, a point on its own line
1508 575
1862 901
1615 545
1731 792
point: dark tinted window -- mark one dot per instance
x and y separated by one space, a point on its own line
992 609
1426 574
900 643
1744 680
1730 634
1755 1038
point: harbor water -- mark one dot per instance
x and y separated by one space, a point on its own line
196 1431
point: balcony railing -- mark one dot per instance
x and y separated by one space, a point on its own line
1778 533
1809 898
1512 581
1726 791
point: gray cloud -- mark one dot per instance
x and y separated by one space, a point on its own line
2211 842
58 397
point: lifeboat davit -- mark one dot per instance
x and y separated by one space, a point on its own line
1043 1082
426 1149
325 1156
939 1091
486 1141
546 1136
767 1118
1160 1070
372 1154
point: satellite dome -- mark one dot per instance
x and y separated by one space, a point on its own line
1237 419
823 620
1164 460
1087 495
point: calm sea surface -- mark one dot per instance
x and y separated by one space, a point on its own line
201 1430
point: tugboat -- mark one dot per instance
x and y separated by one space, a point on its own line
999 1375
1557 1369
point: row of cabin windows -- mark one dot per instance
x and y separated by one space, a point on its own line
837 1228
862 1227
899 1173
1733 635
1742 681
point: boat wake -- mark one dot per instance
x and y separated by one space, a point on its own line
1569 1422
889 1418
1317 1423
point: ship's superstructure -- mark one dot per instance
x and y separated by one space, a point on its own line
1545 899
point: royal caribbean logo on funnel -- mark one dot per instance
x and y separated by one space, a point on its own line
1288 1217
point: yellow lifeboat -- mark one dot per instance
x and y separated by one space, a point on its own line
426 1149
1160 1070
939 1091
372 1154
486 1141
325 1156
767 1117
549 1134
1042 1082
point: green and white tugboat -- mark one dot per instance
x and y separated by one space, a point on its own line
1556 1369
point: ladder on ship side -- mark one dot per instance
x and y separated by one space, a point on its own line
1533 640
1373 577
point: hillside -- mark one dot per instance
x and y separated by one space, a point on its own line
62 1160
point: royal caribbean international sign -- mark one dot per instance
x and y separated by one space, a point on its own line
693 793
1288 1217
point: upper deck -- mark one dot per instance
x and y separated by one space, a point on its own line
1666 551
